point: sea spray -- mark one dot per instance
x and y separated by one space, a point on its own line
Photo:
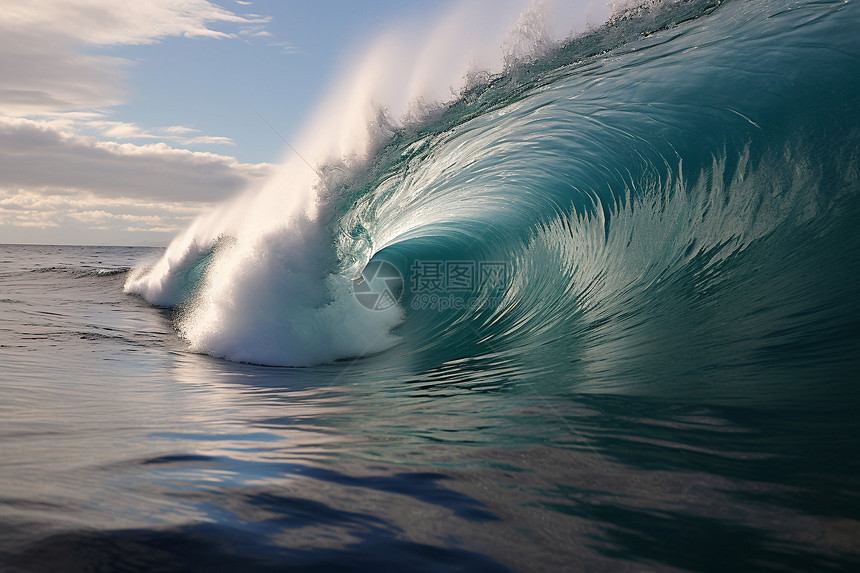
632 182
259 279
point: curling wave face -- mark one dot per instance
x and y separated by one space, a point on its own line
672 195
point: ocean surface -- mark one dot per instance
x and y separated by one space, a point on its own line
599 312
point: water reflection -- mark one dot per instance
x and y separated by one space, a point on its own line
175 458
329 460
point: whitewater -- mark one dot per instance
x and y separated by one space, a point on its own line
571 289
639 181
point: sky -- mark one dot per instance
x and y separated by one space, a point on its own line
121 121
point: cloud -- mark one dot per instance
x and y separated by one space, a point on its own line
41 74
39 219
178 129
41 60
286 47
112 22
92 217
54 215
121 130
40 155
124 130
69 171
207 140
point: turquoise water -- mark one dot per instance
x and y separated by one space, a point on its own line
626 335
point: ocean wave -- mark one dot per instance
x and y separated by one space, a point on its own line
670 195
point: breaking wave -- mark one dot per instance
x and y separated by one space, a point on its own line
668 189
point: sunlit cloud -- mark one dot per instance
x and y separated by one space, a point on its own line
41 62
51 213
65 162
207 140
178 129
36 154
178 134
286 47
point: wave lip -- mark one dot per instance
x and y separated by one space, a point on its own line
265 278
606 177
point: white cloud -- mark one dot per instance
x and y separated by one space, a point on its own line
26 218
93 218
41 63
111 22
286 47
178 129
43 75
124 130
54 214
69 171
38 154
121 130
207 140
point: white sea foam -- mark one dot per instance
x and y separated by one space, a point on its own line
273 291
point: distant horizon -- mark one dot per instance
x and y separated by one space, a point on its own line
83 245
